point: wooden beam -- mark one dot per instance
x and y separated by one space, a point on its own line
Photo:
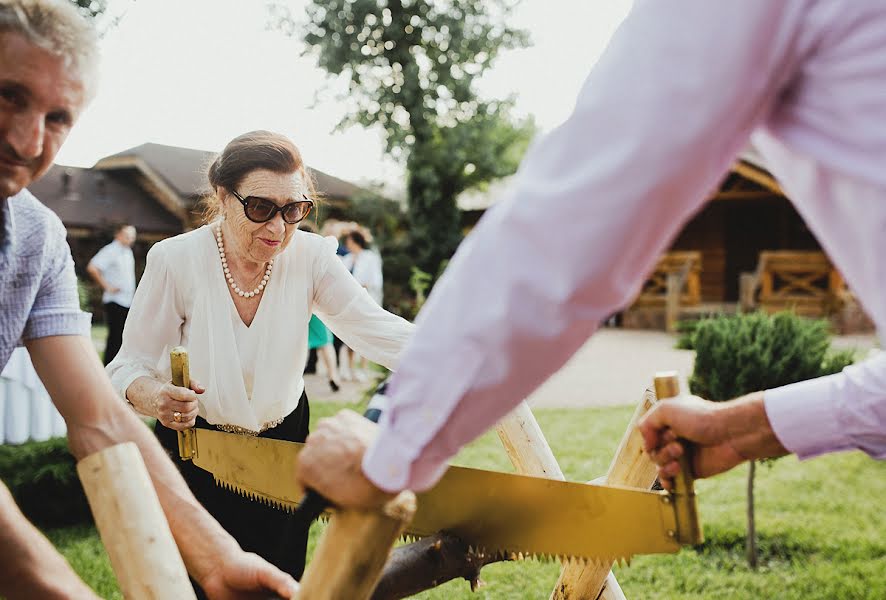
743 195
758 176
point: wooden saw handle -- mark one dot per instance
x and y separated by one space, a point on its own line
667 385
181 377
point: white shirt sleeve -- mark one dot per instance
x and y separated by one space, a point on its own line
351 313
103 258
153 324
656 125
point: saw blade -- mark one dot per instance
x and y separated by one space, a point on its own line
509 515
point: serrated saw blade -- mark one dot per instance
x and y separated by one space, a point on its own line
495 513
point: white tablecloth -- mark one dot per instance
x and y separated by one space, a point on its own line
26 411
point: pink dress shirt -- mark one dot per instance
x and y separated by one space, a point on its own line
682 88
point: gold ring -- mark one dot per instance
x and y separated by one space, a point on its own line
177 417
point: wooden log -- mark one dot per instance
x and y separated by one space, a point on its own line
630 467
353 550
132 525
428 563
526 445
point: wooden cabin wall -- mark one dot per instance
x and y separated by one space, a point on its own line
731 233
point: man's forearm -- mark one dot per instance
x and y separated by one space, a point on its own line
199 537
97 418
748 428
29 566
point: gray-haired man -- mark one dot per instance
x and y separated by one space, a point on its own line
47 75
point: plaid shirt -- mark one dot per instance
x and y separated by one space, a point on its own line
38 288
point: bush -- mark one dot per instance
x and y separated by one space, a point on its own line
740 354
42 477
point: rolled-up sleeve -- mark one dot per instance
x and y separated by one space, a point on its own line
844 411
56 308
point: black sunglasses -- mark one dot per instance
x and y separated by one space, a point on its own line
262 210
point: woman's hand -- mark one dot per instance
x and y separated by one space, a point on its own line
175 407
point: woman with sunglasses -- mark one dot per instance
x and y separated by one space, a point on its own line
238 293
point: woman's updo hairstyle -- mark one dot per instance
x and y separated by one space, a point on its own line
250 152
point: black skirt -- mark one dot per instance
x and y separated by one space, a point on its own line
275 535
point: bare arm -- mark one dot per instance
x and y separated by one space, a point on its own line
96 419
31 566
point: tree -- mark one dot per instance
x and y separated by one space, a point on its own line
737 355
410 68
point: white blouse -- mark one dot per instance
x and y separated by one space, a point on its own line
253 375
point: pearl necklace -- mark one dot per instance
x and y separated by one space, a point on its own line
224 262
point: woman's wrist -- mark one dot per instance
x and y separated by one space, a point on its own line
142 394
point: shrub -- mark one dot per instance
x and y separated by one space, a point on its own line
42 477
739 354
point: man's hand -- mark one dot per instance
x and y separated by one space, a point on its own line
246 575
723 434
331 461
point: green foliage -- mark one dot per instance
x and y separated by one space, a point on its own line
820 533
685 332
84 294
410 68
419 282
739 354
42 477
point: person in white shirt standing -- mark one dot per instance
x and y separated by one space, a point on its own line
113 268
364 263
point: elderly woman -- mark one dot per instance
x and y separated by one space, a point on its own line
239 293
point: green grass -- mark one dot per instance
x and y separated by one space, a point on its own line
821 524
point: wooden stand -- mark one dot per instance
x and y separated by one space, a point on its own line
530 454
132 525
632 468
353 550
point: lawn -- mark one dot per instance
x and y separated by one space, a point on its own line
822 531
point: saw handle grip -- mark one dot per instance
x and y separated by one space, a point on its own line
312 503
667 385
181 377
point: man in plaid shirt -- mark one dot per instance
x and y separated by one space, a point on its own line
47 75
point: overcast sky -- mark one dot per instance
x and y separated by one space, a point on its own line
196 73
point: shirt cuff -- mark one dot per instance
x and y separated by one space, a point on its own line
805 418
388 462
392 465
53 323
